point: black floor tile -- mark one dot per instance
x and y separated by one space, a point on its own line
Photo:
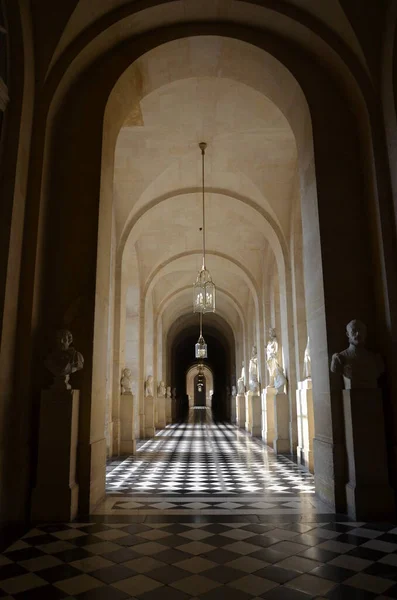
172 541
38 540
168 574
112 574
307 539
348 538
24 554
171 556
318 554
58 573
366 553
130 540
224 574
47 592
382 570
86 540
218 541
120 556
269 555
73 554
221 556
379 526
226 593
53 527
284 593
104 593
333 573
277 574
345 592
135 528
165 593
391 592
263 540
11 570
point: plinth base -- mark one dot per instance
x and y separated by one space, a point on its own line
368 492
305 422
268 431
281 442
149 430
127 433
240 410
55 496
168 411
253 411
161 418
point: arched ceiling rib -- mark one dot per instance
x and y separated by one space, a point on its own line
321 27
228 306
251 165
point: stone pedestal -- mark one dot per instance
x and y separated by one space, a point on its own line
268 432
127 429
253 421
240 410
168 410
149 430
161 418
281 443
55 496
233 409
368 492
305 422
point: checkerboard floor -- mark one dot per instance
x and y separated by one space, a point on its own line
206 459
236 559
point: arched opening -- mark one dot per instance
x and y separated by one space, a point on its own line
200 385
254 212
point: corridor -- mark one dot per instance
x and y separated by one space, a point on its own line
204 511
201 466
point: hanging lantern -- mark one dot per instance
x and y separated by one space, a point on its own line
204 288
201 347
204 292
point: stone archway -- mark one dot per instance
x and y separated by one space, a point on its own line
333 195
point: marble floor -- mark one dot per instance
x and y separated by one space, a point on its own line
254 532
200 467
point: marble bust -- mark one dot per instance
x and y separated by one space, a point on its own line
277 376
360 367
240 381
64 361
168 394
234 391
307 362
253 372
149 386
161 390
125 382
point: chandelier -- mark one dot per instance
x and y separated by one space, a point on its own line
204 288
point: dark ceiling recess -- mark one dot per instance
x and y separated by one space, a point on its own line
220 360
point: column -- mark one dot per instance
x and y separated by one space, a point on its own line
127 429
55 496
305 421
368 492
